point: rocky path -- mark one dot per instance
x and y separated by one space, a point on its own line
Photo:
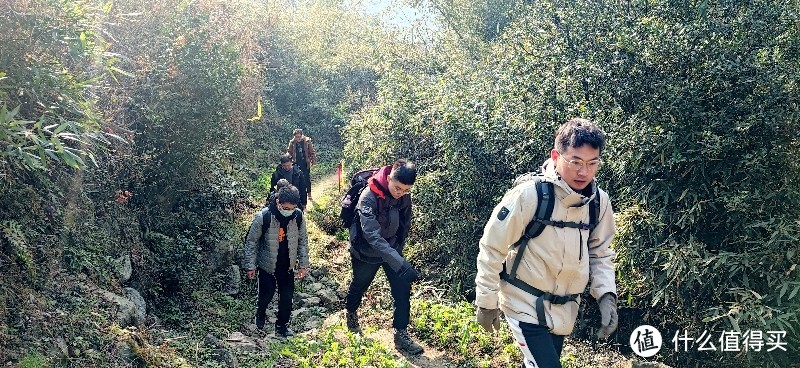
430 358
318 304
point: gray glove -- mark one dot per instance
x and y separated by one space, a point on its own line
489 319
608 315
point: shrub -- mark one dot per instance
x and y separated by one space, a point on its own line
47 116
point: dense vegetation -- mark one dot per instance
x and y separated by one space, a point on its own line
142 130
145 130
699 100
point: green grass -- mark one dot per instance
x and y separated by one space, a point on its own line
33 360
337 347
452 327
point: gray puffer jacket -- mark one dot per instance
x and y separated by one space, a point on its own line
265 254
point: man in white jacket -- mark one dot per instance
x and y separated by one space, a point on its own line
541 298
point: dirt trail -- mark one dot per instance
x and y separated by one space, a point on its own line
431 358
320 186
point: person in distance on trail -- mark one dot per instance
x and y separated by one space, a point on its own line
540 294
292 174
277 246
377 237
301 151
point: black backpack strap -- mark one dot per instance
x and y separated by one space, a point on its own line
545 197
574 225
594 211
540 295
544 211
266 218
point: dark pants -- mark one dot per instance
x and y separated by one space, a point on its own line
266 290
363 274
303 166
544 346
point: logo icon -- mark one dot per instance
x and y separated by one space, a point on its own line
646 341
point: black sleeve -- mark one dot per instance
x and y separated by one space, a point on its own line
371 230
405 225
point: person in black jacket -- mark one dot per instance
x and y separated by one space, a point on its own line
377 238
287 170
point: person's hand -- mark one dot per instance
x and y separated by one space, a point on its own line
408 273
608 315
301 273
251 274
489 319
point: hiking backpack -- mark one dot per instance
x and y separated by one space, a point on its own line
545 199
350 199
545 202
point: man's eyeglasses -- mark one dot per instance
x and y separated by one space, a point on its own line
576 164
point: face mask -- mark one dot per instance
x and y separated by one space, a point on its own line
285 213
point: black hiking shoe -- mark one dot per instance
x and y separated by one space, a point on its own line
352 322
259 321
404 342
283 331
